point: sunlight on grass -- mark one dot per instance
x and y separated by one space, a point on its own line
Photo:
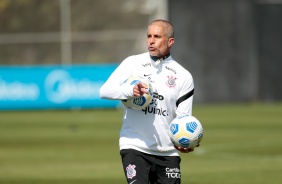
242 145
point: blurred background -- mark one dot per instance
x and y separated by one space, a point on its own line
56 54
232 48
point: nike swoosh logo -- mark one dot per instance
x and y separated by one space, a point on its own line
147 75
132 182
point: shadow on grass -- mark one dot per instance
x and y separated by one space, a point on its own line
62 181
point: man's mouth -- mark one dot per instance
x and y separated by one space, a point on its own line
151 48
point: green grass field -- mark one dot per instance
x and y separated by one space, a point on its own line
242 145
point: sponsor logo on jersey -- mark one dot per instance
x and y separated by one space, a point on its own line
155 110
170 69
146 64
156 95
152 107
130 171
171 81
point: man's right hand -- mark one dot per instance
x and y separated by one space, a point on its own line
139 89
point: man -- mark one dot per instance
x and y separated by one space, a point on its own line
148 155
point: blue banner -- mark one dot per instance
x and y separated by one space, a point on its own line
54 87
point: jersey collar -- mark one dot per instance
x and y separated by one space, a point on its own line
155 58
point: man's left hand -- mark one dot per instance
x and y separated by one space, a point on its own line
185 150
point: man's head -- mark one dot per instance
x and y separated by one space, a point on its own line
160 38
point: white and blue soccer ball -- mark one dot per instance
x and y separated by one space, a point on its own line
138 103
186 131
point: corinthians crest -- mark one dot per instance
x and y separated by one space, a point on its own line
171 81
131 172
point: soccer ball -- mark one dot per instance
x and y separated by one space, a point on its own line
186 131
138 103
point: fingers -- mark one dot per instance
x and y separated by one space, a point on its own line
184 150
139 89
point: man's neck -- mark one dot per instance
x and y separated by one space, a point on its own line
156 58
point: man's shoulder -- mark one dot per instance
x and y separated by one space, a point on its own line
142 55
139 58
179 67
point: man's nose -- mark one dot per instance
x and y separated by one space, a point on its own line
151 40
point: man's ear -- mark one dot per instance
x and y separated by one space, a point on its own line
170 42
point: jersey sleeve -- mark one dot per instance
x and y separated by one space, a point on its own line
115 88
185 99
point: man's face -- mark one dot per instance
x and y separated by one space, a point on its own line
157 42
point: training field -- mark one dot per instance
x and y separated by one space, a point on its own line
242 144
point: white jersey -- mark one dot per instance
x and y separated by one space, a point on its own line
147 130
